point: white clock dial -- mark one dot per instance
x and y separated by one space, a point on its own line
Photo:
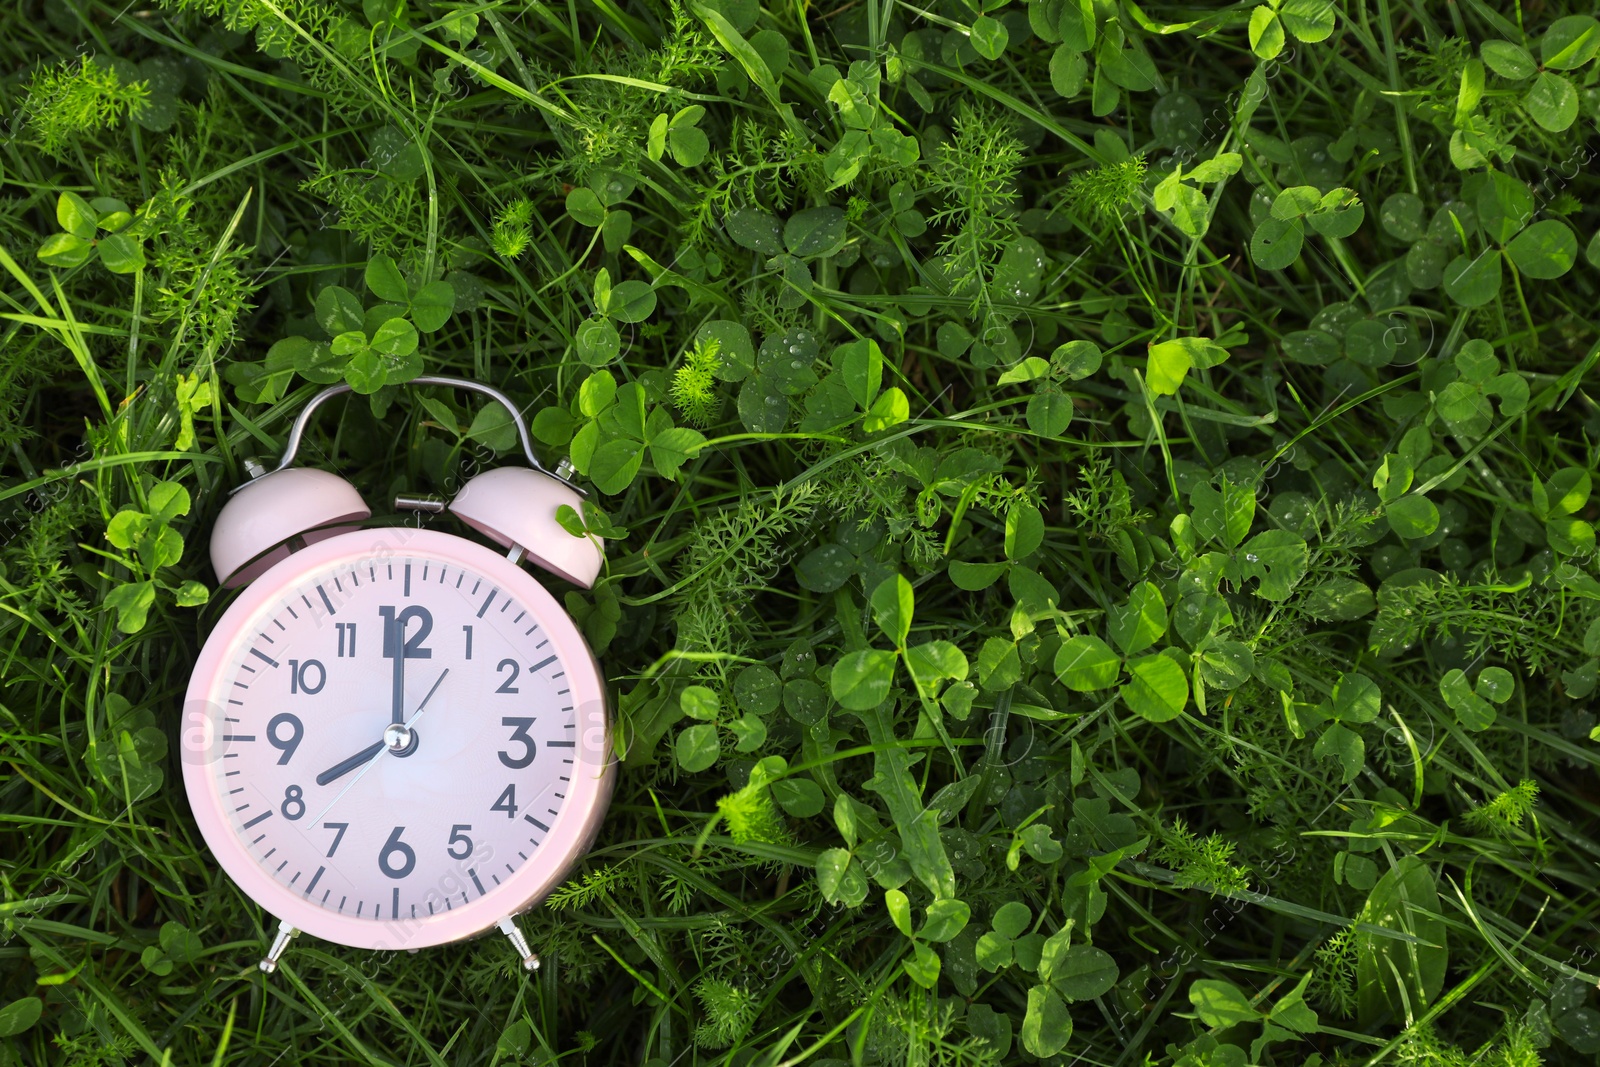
397 737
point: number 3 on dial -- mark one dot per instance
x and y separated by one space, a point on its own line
519 733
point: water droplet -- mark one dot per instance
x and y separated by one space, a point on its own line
795 364
1251 557
794 350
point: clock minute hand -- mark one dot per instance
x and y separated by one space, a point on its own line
397 644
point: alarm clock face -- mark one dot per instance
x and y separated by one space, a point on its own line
395 738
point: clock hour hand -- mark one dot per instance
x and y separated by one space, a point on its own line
344 767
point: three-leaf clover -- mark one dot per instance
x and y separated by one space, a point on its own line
1277 241
119 251
861 680
1355 699
945 918
1410 515
1472 703
1545 249
1222 1004
1180 193
618 430
680 136
1556 502
1464 405
1549 96
1157 686
1309 21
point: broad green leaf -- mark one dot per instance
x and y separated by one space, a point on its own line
1028 370
918 825
1226 665
1223 514
1139 622
816 231
752 228
923 965
841 879
945 919
1552 101
1401 217
598 342
385 280
1344 746
1220 1003
1496 684
975 576
989 36
1505 205
698 747
1395 976
1508 60
432 306
1049 413
1085 663
1356 698
597 393
999 665
1068 68
1076 360
397 337
1276 243
65 250
1568 43
892 605
899 908
1047 1025
20 1015
890 409
799 797
1158 688
132 603
672 448
631 301
1169 363
1266 32
1024 530
338 310
1083 972
121 254
861 363
1546 250
76 216
615 464
1310 21
1338 214
1278 558
861 680
934 661
1412 516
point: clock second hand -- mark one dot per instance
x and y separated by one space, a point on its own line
381 749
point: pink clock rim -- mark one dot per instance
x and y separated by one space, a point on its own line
569 835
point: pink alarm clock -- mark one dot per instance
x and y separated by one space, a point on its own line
396 737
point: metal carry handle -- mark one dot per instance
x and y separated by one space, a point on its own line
297 431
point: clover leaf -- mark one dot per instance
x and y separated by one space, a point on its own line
1472 704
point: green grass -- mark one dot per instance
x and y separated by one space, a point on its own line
1108 573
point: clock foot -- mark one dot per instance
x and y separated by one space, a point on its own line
530 959
269 962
